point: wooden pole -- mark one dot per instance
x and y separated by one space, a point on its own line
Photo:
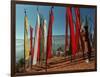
24 43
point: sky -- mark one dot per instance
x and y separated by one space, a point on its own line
59 18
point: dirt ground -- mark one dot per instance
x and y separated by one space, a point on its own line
57 64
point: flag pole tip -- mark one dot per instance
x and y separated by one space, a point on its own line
25 11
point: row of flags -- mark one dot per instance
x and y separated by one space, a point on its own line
42 47
74 35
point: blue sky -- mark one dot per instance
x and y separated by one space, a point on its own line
59 17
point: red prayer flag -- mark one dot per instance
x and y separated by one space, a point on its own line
31 46
38 55
77 26
49 36
72 34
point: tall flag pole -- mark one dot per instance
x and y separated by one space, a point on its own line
37 41
26 47
39 38
31 45
87 39
77 27
42 38
45 37
72 34
81 39
49 36
81 32
66 36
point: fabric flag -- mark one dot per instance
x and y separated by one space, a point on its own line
26 46
31 44
77 26
37 41
49 36
41 38
45 37
72 34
